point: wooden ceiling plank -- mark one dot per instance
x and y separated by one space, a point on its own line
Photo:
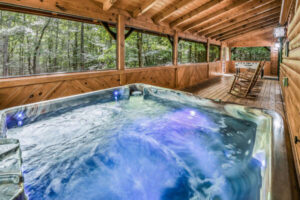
214 15
248 26
195 12
144 8
107 4
248 30
273 24
238 16
285 10
170 10
240 40
264 16
270 8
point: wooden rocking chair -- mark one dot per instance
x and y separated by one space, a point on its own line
244 83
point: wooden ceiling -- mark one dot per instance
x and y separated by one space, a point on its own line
217 19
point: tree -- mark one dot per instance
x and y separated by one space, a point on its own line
37 47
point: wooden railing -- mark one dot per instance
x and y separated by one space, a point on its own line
24 90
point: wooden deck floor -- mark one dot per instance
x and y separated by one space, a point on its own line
268 98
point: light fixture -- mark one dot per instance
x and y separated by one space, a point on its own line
277 45
279 32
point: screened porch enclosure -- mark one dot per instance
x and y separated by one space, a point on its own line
54 50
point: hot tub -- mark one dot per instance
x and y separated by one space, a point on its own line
137 142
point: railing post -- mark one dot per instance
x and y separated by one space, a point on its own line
207 56
121 48
175 57
175 49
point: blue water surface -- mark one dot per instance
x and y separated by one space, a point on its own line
139 149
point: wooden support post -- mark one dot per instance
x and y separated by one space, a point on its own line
223 61
207 50
121 48
207 56
175 56
175 49
230 62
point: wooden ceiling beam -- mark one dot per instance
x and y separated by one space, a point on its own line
285 10
170 10
214 15
247 37
238 32
261 17
241 17
247 10
144 8
248 26
265 30
195 12
273 24
107 4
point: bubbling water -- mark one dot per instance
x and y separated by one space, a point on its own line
139 149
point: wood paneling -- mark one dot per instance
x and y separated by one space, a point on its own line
191 74
215 69
159 76
45 90
290 68
24 90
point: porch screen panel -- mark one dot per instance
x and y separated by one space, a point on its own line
251 53
32 45
191 52
144 49
214 53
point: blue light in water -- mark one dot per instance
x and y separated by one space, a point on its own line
20 123
20 116
192 113
116 95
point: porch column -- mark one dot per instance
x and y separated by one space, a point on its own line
175 57
207 56
121 48
175 48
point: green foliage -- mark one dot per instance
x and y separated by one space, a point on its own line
145 50
251 54
214 53
191 52
36 45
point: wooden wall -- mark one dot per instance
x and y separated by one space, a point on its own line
290 68
24 90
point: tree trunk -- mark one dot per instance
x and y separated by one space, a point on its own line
82 47
190 53
37 47
5 55
140 49
5 50
56 44
75 64
69 57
